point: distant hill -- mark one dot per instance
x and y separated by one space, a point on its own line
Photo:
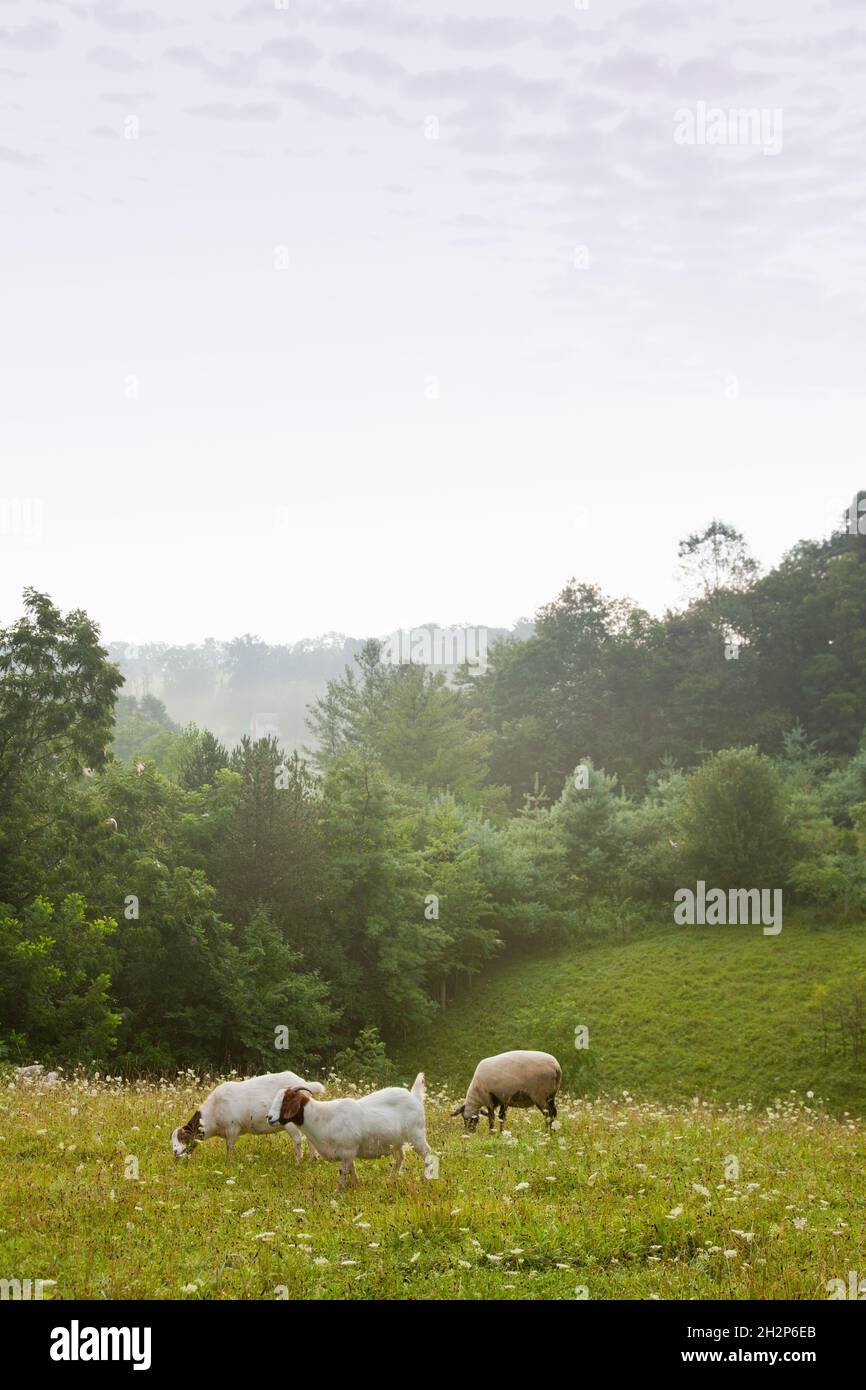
720 1013
246 686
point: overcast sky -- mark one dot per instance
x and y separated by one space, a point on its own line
345 316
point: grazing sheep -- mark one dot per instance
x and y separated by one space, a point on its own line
511 1078
343 1130
239 1107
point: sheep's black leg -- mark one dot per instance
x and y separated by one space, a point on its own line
501 1117
548 1110
490 1113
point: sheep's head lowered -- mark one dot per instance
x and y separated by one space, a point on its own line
470 1120
185 1138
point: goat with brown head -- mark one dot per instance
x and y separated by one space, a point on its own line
291 1107
185 1138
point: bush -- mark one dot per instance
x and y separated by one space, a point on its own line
735 824
365 1060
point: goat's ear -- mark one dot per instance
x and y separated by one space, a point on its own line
191 1129
458 1109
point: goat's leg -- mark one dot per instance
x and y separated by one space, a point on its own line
421 1147
299 1145
231 1135
347 1173
398 1162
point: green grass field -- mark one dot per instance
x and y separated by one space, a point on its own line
623 1200
756 1191
717 1012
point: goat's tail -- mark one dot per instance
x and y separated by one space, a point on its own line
419 1090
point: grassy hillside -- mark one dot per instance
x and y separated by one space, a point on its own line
621 1200
717 1012
653 1194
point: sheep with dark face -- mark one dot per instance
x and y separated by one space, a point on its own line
523 1079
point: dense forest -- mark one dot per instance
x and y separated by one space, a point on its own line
168 901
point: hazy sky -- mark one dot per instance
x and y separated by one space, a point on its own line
352 315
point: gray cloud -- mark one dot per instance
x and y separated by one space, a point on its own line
566 35
127 99
494 83
658 17
38 36
501 178
382 17
414 255
292 52
17 160
229 111
365 62
484 34
322 100
238 70
243 69
113 60
558 121
113 16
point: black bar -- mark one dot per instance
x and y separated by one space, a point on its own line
197 1339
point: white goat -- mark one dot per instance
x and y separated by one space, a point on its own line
239 1107
511 1078
343 1130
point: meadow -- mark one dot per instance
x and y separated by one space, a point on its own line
723 1013
623 1200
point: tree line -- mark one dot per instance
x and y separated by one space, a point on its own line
166 901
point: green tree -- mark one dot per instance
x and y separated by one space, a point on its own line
588 820
205 757
421 729
57 692
55 966
522 865
365 1061
276 1013
383 949
735 827
716 559
138 723
267 847
457 894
